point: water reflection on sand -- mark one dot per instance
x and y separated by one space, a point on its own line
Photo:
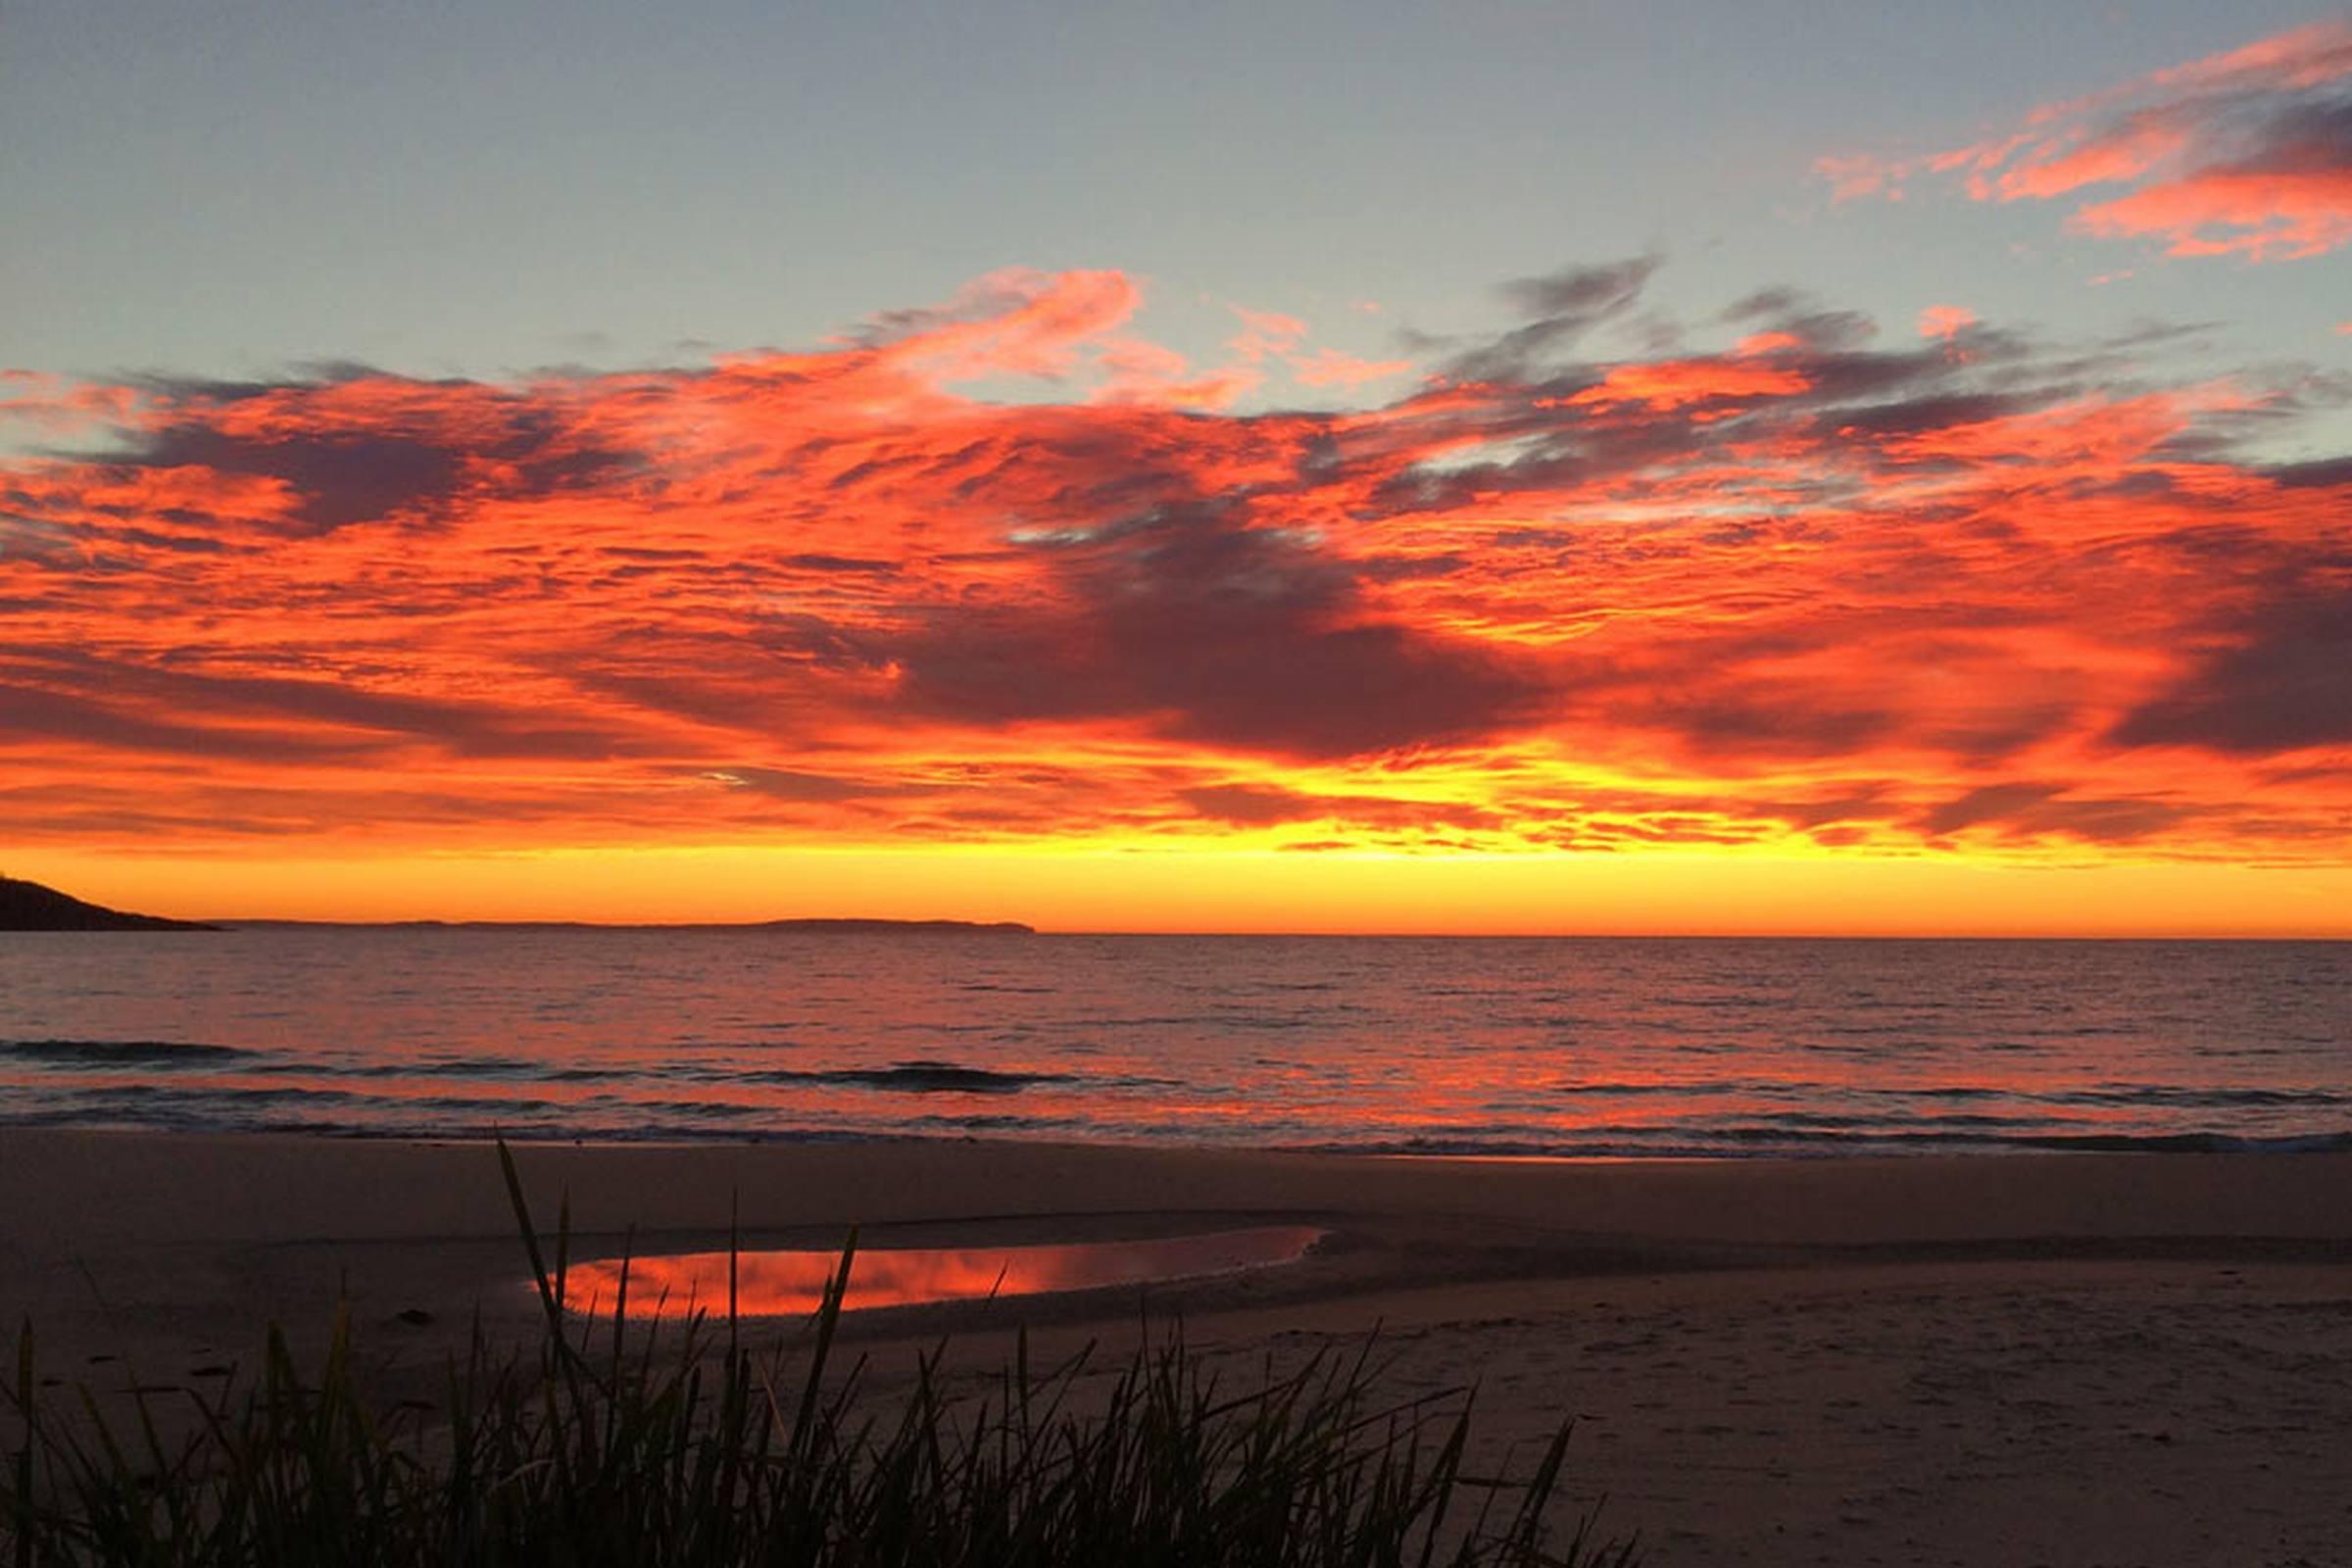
776 1284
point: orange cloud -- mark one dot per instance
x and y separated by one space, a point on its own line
1015 321
1141 372
1759 343
52 405
2246 153
2125 152
2263 214
1801 594
1945 322
1265 334
1678 383
1853 177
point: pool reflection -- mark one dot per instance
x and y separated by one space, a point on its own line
779 1284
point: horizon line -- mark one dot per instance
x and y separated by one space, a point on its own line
1008 927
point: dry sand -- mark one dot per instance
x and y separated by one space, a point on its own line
2066 1359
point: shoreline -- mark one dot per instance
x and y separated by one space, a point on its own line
1814 1149
2054 1357
827 1174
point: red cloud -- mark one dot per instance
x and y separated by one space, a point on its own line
1678 383
2265 214
1265 334
1945 322
2244 153
1798 588
1146 374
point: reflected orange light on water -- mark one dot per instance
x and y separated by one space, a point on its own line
788 1283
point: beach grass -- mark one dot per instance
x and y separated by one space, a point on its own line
673 1443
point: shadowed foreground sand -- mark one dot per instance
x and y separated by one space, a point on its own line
2066 1359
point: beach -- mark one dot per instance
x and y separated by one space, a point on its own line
2029 1358
1007 786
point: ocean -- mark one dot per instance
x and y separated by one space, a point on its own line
1593 1048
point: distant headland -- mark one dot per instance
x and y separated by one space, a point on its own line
30 907
1013 928
824 926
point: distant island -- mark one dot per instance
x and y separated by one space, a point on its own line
30 907
824 926
858 926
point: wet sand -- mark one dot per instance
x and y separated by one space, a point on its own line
2063 1359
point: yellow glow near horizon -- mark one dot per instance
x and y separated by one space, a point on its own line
1240 891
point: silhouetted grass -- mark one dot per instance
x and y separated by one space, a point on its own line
609 1444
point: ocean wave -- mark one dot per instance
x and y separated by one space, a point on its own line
123 1053
2186 1096
915 1078
223 1096
1775 1142
2191 1098
341 1113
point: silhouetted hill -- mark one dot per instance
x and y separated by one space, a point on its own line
30 907
835 925
819 925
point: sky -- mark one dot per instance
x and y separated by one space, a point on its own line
1666 468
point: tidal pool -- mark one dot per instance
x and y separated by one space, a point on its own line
783 1284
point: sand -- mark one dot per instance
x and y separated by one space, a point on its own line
2064 1359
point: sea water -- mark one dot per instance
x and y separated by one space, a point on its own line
1562 1047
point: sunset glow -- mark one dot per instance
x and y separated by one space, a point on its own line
1985 623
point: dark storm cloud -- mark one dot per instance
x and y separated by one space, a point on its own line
402 465
341 480
2309 139
2285 683
2031 808
1219 631
1560 307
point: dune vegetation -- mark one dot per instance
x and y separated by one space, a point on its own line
673 1441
